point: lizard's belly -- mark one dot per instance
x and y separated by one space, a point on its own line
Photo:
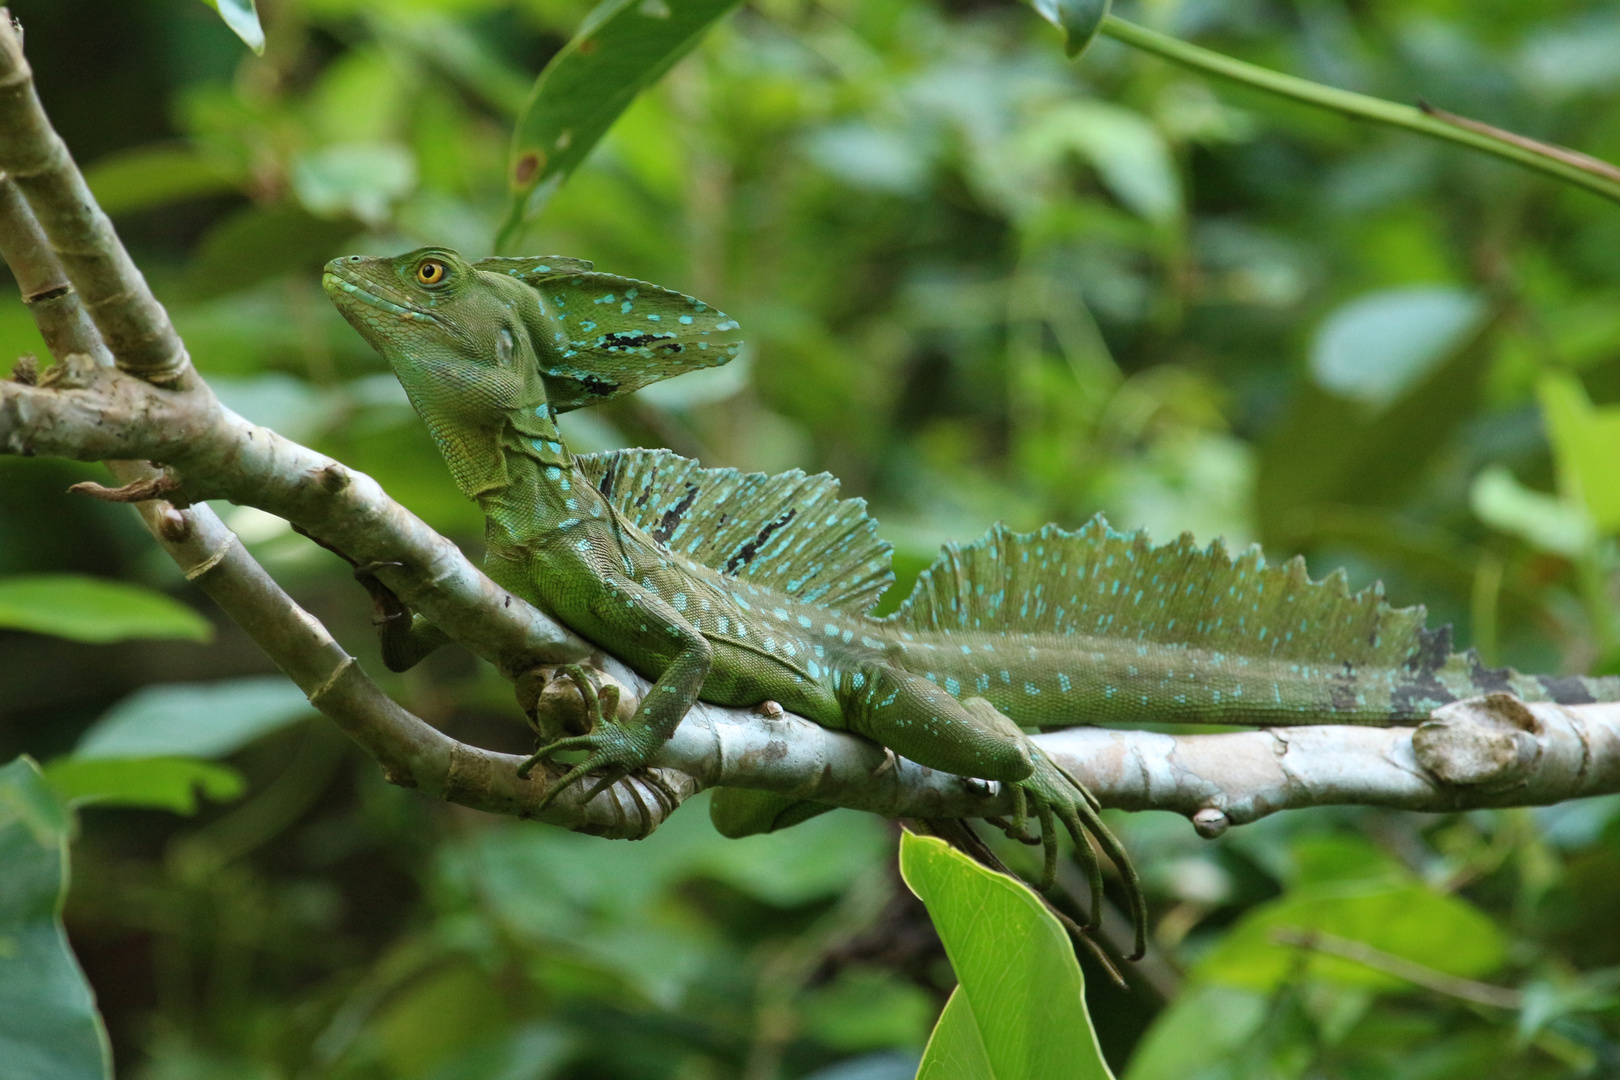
741 677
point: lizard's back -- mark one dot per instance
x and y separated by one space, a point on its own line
1052 627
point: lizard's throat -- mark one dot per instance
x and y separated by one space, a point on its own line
474 455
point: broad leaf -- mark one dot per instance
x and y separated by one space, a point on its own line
1405 919
193 719
1586 442
49 1027
258 243
1379 345
1019 1012
151 783
149 176
91 609
1196 1034
243 19
622 47
1078 19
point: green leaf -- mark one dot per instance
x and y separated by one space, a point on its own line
1408 920
243 19
149 176
204 720
49 1027
1078 19
865 1009
622 47
1019 1012
360 180
1200 1028
1586 443
1127 151
1377 346
263 242
95 610
153 783
1329 453
1545 522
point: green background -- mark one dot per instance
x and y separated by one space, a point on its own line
979 282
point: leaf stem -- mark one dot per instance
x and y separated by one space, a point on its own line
1594 175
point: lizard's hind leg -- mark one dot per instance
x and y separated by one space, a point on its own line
919 719
1056 793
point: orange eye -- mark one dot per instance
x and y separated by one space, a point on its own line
431 271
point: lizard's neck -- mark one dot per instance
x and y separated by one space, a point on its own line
539 491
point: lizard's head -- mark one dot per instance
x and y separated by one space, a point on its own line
456 338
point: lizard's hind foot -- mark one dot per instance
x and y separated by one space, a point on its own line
1058 795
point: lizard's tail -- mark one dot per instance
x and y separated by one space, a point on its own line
1070 627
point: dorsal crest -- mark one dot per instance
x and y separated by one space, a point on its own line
1103 583
790 532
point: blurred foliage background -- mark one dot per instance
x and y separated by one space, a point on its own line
979 283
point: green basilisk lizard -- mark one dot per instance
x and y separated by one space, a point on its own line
742 588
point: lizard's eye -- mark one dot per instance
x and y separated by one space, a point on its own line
431 272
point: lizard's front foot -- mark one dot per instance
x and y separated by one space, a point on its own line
621 749
1055 794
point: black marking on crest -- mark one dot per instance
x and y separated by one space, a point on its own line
598 385
631 340
1566 689
672 517
1342 692
746 553
610 476
1416 699
1432 652
1489 680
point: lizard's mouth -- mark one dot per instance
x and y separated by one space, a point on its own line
336 282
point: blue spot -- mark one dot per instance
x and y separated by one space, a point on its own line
686 320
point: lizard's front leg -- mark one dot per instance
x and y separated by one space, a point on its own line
649 633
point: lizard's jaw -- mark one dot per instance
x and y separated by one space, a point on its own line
346 288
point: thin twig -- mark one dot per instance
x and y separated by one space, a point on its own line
1595 176
1497 997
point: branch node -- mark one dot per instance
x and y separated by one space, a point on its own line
1486 742
398 777
55 292
333 478
1210 822
172 525
75 371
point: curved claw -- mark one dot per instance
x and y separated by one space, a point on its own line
572 742
1116 852
1058 794
1048 845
